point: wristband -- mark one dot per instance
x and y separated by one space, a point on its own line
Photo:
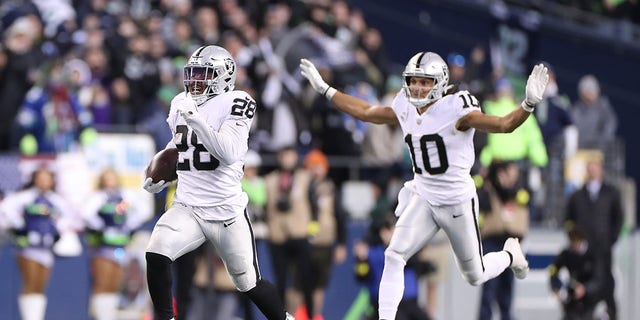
527 107
329 92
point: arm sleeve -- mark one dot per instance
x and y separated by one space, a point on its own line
11 207
229 144
136 214
69 219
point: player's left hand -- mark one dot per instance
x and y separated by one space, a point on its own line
187 108
310 72
536 84
154 187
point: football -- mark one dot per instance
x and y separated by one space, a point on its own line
163 166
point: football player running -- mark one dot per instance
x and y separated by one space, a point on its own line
438 129
210 123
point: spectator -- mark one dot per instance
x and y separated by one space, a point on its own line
111 216
369 255
560 137
327 231
215 295
524 145
503 208
593 115
19 56
51 115
597 209
554 119
289 215
255 187
36 216
96 95
382 148
207 20
581 292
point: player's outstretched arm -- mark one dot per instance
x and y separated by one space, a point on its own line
355 107
536 84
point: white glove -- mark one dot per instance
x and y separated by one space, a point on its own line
536 84
154 187
188 108
310 72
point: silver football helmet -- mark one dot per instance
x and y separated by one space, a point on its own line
428 65
210 71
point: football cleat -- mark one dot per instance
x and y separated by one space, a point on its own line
519 264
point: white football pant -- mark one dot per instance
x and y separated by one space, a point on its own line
180 230
418 223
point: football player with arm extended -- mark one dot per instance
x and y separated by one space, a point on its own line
438 129
210 124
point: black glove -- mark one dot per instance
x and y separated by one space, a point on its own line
19 237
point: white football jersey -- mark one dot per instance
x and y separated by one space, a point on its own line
204 180
442 155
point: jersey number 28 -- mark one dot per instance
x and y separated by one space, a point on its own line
183 146
436 140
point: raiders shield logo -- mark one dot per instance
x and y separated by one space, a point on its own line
230 66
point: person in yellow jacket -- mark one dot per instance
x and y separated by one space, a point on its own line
525 146
524 143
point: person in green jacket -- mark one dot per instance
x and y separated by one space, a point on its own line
524 143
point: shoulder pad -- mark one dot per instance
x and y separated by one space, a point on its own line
464 99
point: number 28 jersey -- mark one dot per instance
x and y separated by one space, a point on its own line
442 155
204 180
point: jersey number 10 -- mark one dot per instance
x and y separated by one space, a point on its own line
436 140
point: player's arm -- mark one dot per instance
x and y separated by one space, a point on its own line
536 84
90 211
488 123
69 219
353 106
227 144
11 208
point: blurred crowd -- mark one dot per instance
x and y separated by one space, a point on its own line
628 10
69 69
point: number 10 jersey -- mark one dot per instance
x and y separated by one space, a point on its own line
442 155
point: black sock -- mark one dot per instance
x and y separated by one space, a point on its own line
265 296
159 283
184 267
